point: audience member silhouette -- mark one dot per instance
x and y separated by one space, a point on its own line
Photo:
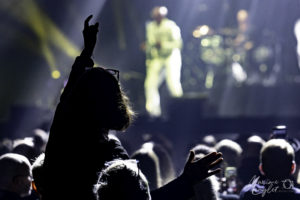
15 177
6 146
163 148
231 152
281 132
166 166
211 186
149 164
122 179
209 140
250 159
26 148
91 104
203 149
40 139
276 165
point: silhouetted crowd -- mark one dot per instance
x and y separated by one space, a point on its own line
81 159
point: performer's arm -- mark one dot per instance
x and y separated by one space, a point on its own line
150 40
175 40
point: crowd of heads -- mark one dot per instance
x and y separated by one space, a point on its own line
17 157
150 167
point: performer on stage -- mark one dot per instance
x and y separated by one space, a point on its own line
163 44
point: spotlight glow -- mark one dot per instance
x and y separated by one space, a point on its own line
204 30
242 15
201 31
238 72
163 10
55 74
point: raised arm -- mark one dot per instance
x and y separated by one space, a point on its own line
84 60
90 37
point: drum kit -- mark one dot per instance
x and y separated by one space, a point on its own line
228 47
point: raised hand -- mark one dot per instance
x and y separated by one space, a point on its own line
89 36
197 170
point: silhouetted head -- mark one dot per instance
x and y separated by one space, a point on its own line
158 13
253 146
6 146
26 148
100 102
231 151
277 159
203 149
122 179
209 140
149 164
40 139
15 174
167 170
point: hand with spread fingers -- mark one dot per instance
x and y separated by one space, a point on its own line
90 36
197 170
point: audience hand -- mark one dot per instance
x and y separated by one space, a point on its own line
90 36
197 170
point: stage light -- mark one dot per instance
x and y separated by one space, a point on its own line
205 42
248 45
201 31
204 30
55 74
163 10
236 57
196 33
46 31
238 72
242 15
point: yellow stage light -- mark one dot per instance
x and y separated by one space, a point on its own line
55 74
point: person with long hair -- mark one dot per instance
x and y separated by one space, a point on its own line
79 145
